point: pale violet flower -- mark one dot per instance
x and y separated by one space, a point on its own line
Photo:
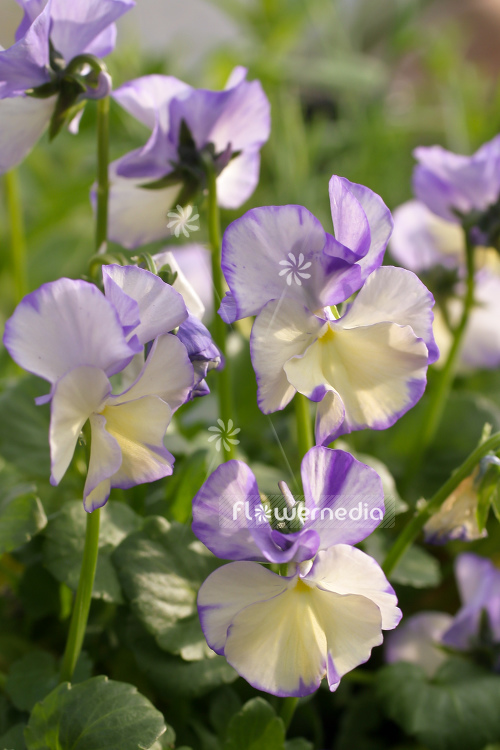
76 338
364 369
453 186
418 640
422 242
187 125
424 638
284 634
52 34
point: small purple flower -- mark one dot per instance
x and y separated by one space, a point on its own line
478 582
421 638
283 634
46 62
453 186
76 338
229 127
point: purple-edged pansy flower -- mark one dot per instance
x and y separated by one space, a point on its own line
454 186
46 63
365 368
228 126
283 634
422 242
76 338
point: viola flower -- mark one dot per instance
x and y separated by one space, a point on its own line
454 186
457 517
425 243
76 338
187 125
44 77
283 634
366 368
422 639
478 581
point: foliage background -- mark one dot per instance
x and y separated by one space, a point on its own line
354 86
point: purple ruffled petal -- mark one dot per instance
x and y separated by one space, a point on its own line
26 64
344 498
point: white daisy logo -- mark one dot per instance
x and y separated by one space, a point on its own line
183 220
295 269
224 435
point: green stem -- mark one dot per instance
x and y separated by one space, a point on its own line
287 711
219 327
101 234
17 238
445 377
305 439
416 524
83 598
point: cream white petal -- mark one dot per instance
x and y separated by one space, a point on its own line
279 645
282 330
379 371
181 283
167 373
230 589
105 460
394 295
139 428
347 570
76 395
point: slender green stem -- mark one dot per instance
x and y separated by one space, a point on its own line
17 238
219 327
101 234
444 382
287 711
83 597
416 524
305 439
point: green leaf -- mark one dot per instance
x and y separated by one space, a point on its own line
457 709
255 727
98 714
161 569
65 539
171 674
224 705
417 568
14 738
488 496
24 427
36 675
21 517
299 743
